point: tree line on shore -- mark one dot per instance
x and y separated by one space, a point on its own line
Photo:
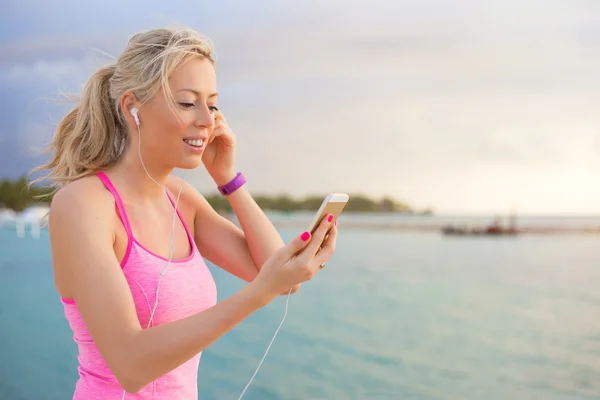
17 195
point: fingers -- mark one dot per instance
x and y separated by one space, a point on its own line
318 237
327 248
222 130
295 245
220 122
217 131
306 246
218 116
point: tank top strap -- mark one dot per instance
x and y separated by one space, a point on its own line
180 217
119 202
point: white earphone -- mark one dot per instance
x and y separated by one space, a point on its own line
134 113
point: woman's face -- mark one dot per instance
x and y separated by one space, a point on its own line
175 135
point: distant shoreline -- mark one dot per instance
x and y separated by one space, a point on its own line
536 225
408 222
406 227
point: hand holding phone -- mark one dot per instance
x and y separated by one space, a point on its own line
322 244
333 205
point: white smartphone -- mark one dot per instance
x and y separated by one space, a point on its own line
333 203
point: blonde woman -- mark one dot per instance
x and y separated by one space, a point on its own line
128 238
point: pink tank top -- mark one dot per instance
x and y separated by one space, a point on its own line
187 288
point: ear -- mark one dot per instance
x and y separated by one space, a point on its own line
128 101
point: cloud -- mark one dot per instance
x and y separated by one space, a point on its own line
45 70
460 106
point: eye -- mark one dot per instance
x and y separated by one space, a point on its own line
213 108
186 105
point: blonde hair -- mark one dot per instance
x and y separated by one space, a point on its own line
93 135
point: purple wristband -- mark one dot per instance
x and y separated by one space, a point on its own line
234 185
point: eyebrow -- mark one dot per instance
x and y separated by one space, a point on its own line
198 93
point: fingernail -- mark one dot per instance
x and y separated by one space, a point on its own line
330 218
305 236
335 223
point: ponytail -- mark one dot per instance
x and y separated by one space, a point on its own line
90 137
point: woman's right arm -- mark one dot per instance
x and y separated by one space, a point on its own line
81 231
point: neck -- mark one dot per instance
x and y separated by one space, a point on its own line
131 173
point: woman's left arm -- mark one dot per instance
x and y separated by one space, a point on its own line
240 252
261 236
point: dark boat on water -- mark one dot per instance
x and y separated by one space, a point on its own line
493 229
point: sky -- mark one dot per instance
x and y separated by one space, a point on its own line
465 107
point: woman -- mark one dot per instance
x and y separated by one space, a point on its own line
140 321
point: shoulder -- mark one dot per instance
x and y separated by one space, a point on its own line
88 192
174 183
190 196
191 201
80 223
79 202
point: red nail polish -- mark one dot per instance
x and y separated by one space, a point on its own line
330 218
305 236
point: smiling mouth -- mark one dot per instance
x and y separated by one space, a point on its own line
194 143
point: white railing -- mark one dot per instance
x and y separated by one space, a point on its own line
21 227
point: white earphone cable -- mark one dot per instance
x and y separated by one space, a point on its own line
269 346
172 240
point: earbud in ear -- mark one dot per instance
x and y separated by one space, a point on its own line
134 112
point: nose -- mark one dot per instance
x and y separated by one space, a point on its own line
205 118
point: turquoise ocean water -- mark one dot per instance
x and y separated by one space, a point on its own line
395 315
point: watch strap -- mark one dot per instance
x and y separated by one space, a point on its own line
233 185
